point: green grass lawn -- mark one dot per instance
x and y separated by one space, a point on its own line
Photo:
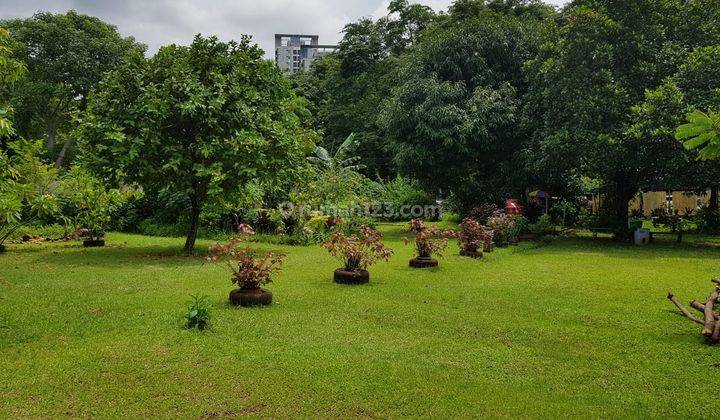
577 328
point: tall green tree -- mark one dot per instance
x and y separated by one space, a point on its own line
586 85
347 89
205 120
453 120
66 56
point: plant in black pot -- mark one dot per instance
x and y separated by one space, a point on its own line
472 238
358 251
429 241
249 271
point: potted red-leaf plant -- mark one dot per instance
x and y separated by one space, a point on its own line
249 271
472 238
357 251
429 241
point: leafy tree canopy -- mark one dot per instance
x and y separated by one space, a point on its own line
453 119
11 71
205 120
589 91
66 56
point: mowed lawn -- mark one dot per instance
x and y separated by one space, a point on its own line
577 328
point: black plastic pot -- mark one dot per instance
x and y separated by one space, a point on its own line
251 297
351 277
423 262
91 243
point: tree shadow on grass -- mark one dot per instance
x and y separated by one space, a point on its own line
115 256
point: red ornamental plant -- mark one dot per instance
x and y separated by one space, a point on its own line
248 271
473 235
429 240
357 251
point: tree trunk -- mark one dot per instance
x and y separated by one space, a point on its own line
620 207
622 192
51 136
61 157
196 206
709 326
714 198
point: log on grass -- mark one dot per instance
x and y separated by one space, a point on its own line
684 311
697 305
709 326
715 337
701 308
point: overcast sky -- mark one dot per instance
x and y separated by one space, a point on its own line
161 22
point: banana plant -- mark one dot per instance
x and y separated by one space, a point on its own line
339 161
701 132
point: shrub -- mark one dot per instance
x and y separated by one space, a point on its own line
127 215
504 227
673 221
267 221
707 219
564 213
543 226
248 271
150 227
355 224
88 204
429 241
401 195
334 187
484 212
472 235
588 219
319 223
357 251
28 187
198 313
521 224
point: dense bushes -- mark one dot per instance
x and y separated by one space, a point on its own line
401 199
28 188
88 205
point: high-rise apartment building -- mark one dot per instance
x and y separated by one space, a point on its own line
295 52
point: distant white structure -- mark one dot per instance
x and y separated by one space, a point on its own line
296 52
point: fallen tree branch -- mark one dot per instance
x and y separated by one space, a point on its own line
715 337
709 326
701 308
697 305
684 310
